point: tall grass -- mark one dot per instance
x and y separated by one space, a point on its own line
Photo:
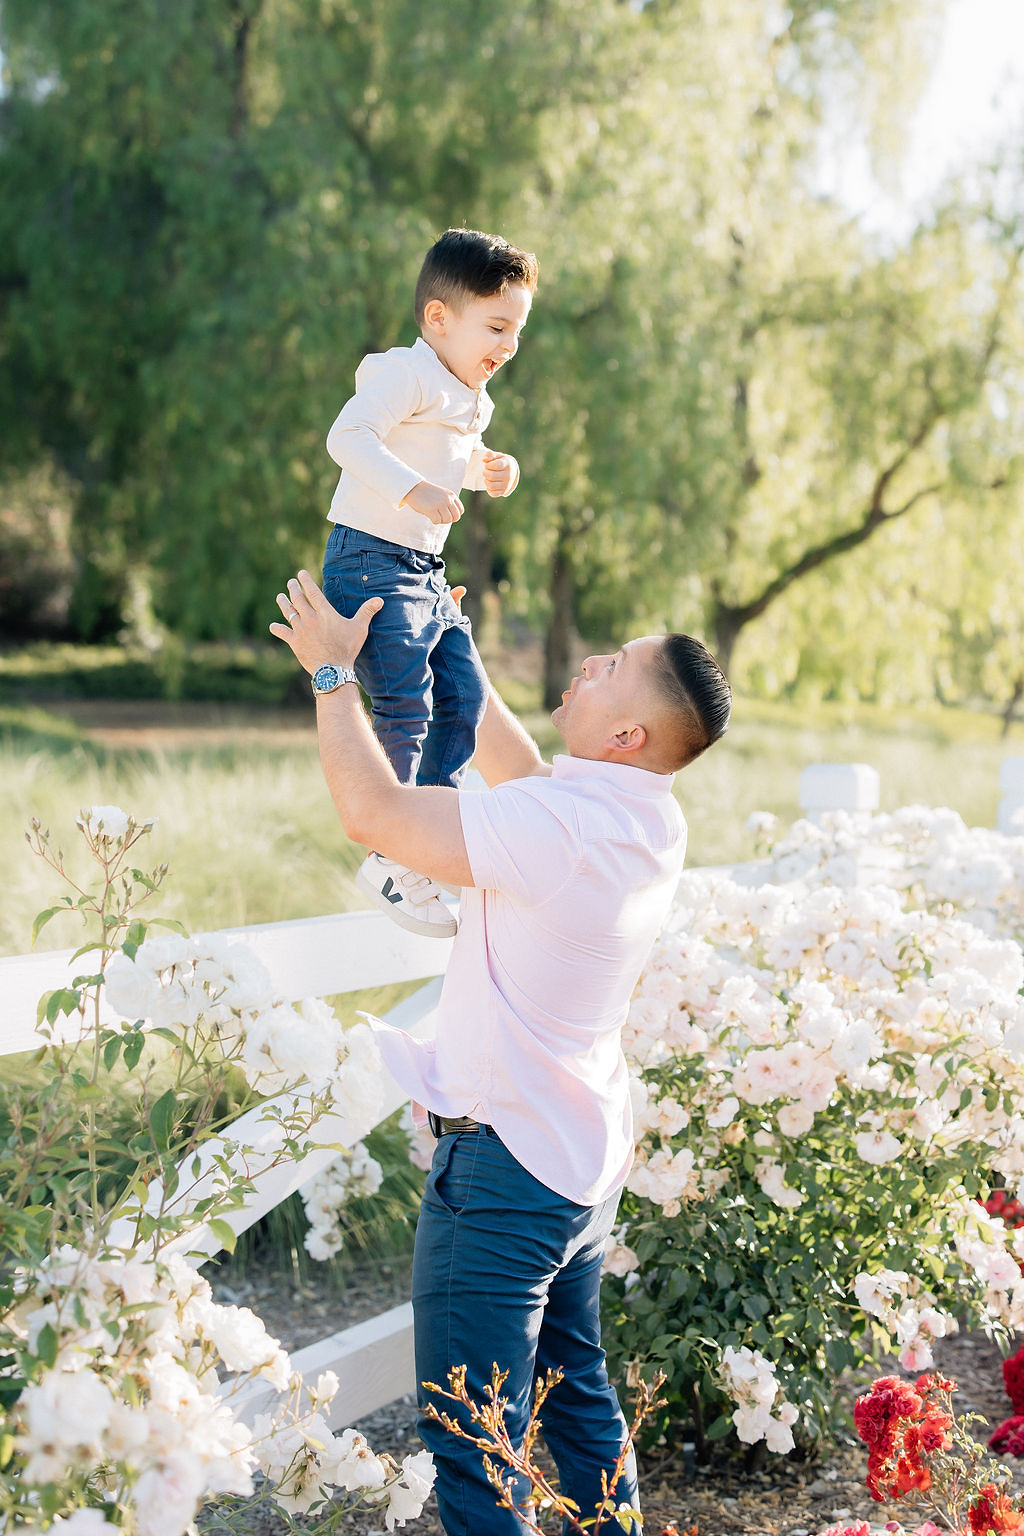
250 834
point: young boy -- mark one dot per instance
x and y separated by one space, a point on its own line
408 440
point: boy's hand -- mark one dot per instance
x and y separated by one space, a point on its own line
500 473
316 632
434 502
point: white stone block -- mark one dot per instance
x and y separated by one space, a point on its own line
839 787
1011 776
1011 811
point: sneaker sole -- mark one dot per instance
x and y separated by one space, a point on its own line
398 913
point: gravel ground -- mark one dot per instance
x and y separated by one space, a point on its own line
724 1498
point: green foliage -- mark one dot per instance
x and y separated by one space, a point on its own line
378 1228
721 376
244 674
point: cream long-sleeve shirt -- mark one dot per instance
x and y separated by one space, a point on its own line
410 419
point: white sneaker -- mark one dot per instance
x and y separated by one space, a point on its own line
410 899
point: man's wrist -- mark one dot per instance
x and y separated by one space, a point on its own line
330 676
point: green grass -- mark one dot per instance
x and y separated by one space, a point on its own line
251 836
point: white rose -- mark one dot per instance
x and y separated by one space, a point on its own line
167 1496
779 1437
619 1259
724 1113
86 1522
407 1496
353 1465
794 1119
323 1244
105 822
751 1424
877 1147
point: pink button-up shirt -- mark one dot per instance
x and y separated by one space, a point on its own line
574 875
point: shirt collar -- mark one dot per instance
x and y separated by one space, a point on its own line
635 781
420 346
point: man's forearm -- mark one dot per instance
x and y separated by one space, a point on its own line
359 777
419 826
504 750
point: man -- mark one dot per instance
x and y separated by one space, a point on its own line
568 871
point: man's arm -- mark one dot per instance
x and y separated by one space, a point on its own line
420 827
503 748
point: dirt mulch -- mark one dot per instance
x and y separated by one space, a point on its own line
726 1497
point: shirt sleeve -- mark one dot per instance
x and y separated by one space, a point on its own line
474 480
387 392
518 844
474 476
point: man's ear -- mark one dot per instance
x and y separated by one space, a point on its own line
435 313
630 738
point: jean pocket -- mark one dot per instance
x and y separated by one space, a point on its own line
452 1174
378 568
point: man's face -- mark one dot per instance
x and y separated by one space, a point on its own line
476 340
610 695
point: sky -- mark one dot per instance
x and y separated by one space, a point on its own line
975 99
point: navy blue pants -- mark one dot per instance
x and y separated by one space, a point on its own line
507 1272
419 666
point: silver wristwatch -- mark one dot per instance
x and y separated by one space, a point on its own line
325 679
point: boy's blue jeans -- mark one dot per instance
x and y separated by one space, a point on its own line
507 1272
419 666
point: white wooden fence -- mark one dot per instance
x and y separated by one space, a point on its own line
314 957
323 957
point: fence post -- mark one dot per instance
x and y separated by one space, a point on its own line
1011 782
852 787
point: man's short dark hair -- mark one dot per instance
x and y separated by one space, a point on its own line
691 681
467 264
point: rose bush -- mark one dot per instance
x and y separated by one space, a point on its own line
921 1453
121 1379
828 1059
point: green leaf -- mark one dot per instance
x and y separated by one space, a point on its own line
46 1345
161 1120
64 1000
225 1235
111 1051
720 1428
133 1049
44 917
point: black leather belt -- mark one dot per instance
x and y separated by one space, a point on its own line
440 1126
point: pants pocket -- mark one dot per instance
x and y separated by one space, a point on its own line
451 1176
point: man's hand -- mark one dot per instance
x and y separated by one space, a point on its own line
500 470
316 632
434 502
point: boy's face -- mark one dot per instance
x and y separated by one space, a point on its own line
474 341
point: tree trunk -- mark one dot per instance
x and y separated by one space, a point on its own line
479 556
1011 707
558 640
726 624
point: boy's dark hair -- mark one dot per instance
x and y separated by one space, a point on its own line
690 679
467 264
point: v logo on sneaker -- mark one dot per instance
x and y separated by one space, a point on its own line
387 888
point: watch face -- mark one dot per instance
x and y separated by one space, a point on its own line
325 678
